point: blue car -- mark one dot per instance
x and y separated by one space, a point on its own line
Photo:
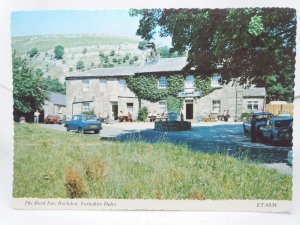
259 119
278 129
83 123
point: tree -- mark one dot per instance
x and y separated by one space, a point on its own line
80 65
54 85
59 52
142 45
29 88
252 44
33 52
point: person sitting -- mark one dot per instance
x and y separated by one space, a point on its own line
121 116
152 117
129 116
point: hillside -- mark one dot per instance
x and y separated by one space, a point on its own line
94 50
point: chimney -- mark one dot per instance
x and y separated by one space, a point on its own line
151 52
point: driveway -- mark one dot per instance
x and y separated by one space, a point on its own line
223 138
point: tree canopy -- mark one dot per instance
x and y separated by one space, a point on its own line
59 52
54 85
29 88
255 45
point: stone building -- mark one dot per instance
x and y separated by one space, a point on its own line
104 91
56 105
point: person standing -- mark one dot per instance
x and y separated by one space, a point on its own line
36 116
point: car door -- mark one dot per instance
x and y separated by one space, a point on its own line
267 129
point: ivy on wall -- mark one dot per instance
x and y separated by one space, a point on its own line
203 85
146 86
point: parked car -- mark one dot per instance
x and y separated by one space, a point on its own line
278 129
53 119
259 119
83 123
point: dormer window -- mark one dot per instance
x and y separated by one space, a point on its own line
215 81
162 82
189 82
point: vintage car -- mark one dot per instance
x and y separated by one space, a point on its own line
259 118
53 119
83 123
278 129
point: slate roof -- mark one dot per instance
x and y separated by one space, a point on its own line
254 92
57 98
164 65
160 65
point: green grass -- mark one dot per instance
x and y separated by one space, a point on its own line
73 47
46 162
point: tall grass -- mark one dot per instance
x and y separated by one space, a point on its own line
133 170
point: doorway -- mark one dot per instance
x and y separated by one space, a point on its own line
189 108
114 110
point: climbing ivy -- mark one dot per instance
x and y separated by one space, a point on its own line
146 86
203 85
174 104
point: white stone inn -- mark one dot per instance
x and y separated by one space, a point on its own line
104 91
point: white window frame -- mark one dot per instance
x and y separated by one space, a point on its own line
85 85
252 104
103 84
189 82
86 106
163 106
162 82
122 84
215 80
216 106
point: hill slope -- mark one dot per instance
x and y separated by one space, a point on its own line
94 50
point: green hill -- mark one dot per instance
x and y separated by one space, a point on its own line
93 49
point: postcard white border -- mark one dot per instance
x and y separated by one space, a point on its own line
10 216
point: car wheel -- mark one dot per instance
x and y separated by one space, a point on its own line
68 128
80 130
245 131
97 131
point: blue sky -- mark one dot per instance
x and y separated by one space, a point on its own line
113 22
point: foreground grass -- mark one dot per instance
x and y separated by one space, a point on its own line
53 164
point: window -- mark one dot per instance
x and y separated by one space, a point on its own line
215 81
162 82
103 85
216 106
252 105
163 106
130 107
122 85
85 85
189 81
86 106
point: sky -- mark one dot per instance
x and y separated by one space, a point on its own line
112 22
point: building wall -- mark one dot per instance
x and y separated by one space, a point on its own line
53 109
101 99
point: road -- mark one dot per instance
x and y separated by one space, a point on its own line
223 138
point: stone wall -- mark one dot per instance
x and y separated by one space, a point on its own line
172 126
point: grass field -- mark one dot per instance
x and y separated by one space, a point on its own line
48 42
52 164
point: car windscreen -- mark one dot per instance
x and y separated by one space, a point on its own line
89 118
283 123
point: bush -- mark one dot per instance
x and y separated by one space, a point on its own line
75 183
135 58
59 52
33 52
174 104
80 65
143 114
112 53
90 112
245 116
131 61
